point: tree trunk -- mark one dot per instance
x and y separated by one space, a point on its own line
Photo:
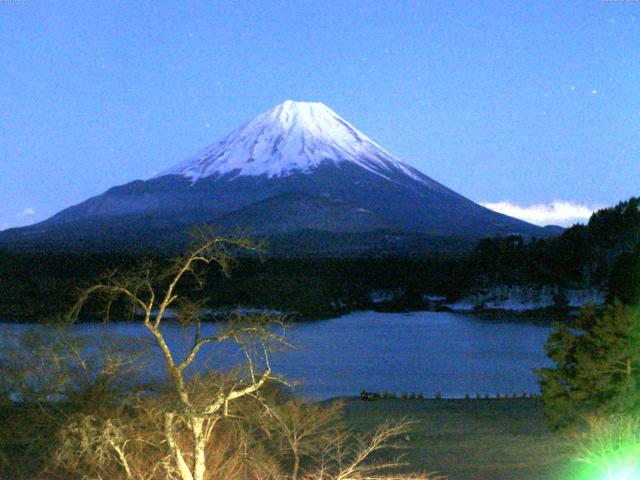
199 461
183 468
123 459
296 465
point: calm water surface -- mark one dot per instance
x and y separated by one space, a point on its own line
426 352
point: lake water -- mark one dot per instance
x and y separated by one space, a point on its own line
425 352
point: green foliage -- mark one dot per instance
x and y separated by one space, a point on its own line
624 283
597 367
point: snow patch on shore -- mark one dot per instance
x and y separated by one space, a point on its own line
519 298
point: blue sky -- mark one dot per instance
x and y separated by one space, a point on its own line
507 102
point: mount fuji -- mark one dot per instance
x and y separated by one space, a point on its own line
297 173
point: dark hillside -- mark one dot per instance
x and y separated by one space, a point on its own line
605 254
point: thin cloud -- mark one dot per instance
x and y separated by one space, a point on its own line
556 213
22 218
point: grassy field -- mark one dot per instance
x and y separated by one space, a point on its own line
505 439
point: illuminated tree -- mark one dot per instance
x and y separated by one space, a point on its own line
153 295
183 433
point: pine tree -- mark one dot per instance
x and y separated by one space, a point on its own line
624 282
597 368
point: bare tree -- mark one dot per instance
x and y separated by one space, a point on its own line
348 456
154 296
204 423
314 443
49 376
41 365
300 429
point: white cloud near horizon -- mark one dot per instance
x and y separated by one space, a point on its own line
22 218
561 213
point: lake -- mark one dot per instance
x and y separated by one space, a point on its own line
426 352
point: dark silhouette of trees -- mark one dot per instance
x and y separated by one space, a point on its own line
624 283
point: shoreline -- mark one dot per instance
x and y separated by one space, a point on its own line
547 314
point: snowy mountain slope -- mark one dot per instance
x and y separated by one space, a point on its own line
296 168
292 137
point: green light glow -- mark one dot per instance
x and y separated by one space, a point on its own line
626 473
609 450
623 464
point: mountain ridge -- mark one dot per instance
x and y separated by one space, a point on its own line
301 153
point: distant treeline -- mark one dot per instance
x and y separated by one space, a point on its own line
604 253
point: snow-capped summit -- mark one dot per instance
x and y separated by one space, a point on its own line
291 137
